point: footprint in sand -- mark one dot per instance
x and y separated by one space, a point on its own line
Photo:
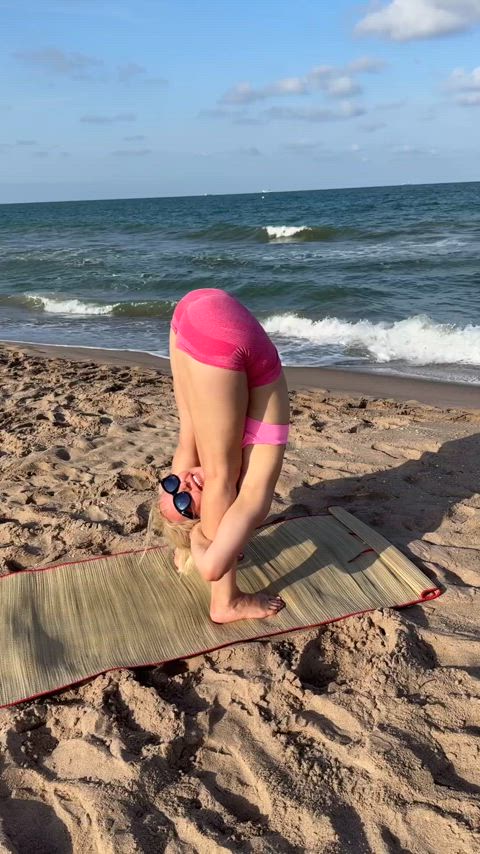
425 829
94 514
62 454
130 478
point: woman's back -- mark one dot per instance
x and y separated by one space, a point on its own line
214 328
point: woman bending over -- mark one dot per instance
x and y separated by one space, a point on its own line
233 406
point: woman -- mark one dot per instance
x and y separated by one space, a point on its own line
233 405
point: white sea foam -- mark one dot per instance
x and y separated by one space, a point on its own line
416 340
277 232
69 306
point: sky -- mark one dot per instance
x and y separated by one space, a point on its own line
135 98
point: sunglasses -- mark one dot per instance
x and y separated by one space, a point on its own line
182 501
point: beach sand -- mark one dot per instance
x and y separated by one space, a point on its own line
361 736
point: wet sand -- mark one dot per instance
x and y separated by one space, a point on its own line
334 380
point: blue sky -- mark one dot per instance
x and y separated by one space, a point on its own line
132 98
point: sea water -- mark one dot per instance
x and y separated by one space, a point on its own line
379 279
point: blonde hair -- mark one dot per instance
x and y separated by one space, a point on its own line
177 535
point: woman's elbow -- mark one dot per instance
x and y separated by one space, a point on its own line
258 518
210 576
212 572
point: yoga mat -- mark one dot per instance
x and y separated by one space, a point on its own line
62 624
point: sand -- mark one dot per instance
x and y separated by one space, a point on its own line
362 736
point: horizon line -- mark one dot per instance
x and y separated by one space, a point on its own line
251 193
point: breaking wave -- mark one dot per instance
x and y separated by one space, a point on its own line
72 306
273 233
416 340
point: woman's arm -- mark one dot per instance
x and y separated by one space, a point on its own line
215 553
217 404
219 493
214 558
185 457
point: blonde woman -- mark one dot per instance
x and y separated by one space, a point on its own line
233 406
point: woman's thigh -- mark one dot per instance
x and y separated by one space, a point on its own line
217 401
187 433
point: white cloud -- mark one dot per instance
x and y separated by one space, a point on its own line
469 99
289 86
343 86
403 20
345 110
461 79
348 110
78 66
413 150
366 64
129 71
244 93
336 82
466 86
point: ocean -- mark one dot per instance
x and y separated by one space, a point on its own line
379 279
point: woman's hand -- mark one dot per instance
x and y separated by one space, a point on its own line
199 545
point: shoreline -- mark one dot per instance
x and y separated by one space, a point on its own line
333 380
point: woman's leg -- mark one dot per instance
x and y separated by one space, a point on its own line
186 454
217 400
228 603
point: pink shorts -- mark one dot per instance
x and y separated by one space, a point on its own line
216 329
261 433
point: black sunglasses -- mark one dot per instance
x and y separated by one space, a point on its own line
182 501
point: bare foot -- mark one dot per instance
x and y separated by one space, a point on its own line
247 606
